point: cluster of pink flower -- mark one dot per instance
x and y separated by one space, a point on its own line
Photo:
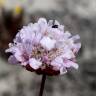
45 48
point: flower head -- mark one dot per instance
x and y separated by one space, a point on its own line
45 48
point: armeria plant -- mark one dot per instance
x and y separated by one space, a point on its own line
45 48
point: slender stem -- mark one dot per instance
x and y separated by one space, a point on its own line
42 85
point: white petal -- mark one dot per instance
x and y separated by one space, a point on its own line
68 54
76 47
57 23
59 60
18 56
42 21
55 33
57 63
61 28
63 70
26 33
69 64
50 23
37 38
76 37
74 65
48 43
35 64
67 34
42 24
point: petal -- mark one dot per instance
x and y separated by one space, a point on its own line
37 38
18 53
47 43
50 23
27 46
19 57
35 64
57 63
63 70
12 48
74 65
76 37
57 23
55 33
42 21
68 54
67 34
12 60
42 24
61 28
68 64
17 38
26 33
76 47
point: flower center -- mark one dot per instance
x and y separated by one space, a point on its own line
46 56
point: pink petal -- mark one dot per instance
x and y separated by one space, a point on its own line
35 64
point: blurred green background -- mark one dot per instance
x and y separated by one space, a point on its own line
79 17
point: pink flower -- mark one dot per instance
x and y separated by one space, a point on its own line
45 48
